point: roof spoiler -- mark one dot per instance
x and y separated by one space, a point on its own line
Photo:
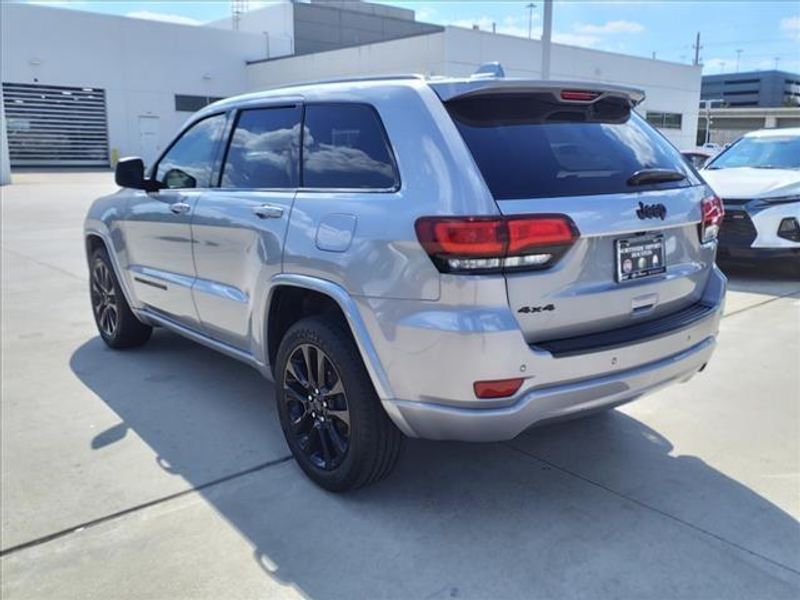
573 92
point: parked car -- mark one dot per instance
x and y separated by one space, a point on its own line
758 178
698 157
456 259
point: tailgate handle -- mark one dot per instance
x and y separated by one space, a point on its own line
644 304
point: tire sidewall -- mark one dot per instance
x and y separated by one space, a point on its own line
334 343
101 256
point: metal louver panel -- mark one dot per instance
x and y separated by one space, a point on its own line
52 126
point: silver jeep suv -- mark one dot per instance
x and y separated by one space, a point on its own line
453 259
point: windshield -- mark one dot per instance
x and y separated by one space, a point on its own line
532 146
761 153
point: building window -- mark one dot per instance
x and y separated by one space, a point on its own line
741 93
665 120
184 103
741 81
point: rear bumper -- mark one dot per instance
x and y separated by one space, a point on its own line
485 425
431 371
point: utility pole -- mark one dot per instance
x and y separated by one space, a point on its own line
238 8
738 56
697 47
547 34
777 60
530 6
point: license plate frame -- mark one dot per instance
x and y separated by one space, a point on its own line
645 256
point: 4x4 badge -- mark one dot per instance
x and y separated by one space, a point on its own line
536 309
651 211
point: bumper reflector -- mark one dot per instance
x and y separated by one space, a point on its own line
499 388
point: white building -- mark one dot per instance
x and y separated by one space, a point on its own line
82 88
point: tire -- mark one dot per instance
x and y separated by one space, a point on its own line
115 321
345 409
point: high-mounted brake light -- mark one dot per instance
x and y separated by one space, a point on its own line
713 212
579 95
495 244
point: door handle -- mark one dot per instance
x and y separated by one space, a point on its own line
268 211
179 208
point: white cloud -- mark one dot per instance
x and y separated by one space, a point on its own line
164 17
425 13
581 34
791 26
610 27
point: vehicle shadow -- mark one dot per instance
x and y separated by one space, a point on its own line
767 278
454 520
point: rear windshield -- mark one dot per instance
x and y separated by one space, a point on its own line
531 146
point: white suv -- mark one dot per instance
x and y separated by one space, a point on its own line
451 259
758 178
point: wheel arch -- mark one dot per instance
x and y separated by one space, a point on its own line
93 240
323 297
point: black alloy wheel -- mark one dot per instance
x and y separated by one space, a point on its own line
317 408
104 299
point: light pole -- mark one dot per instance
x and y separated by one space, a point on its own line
738 56
530 6
547 34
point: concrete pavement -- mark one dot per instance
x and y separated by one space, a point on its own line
161 472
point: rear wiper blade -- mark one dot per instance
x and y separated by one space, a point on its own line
644 176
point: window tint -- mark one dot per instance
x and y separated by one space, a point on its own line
531 146
188 163
264 149
345 146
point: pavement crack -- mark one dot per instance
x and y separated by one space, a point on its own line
762 303
654 509
42 263
127 511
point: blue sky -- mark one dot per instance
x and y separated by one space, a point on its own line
763 30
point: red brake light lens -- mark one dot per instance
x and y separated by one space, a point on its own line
471 236
579 95
525 233
713 212
494 244
501 388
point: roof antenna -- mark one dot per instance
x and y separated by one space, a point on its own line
490 69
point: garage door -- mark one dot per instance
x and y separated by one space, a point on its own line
56 126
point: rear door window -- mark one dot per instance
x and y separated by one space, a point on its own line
531 146
264 149
345 147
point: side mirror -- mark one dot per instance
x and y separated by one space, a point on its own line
130 173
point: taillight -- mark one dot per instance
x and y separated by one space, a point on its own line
495 244
713 211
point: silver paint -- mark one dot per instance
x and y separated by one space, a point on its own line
424 337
